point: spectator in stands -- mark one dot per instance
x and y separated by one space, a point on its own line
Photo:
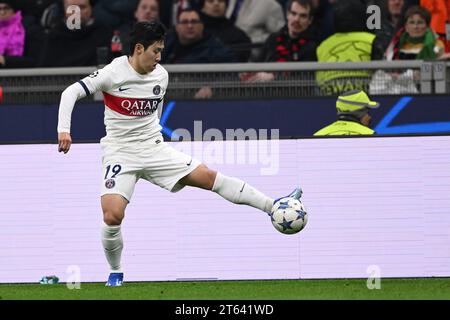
416 40
353 115
37 16
170 10
145 10
295 41
67 44
258 19
392 11
440 15
12 32
113 13
190 44
33 10
213 17
350 43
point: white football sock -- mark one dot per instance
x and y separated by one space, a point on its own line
239 192
112 245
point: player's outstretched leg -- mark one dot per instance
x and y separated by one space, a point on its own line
113 212
232 189
288 221
240 192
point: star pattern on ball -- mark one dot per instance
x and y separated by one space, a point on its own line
286 224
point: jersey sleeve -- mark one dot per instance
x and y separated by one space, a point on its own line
96 81
72 94
100 80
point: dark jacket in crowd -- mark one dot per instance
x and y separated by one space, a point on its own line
207 50
33 44
61 47
383 38
57 46
33 10
280 47
236 39
388 29
114 13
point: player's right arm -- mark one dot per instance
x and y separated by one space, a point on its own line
99 80
68 98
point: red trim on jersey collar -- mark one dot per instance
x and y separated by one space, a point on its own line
131 106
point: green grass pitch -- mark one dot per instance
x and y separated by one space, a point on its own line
420 288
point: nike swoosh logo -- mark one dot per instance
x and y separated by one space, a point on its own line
189 162
123 89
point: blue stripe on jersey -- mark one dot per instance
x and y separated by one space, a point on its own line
84 87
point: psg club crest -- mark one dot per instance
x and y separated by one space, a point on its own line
110 183
156 90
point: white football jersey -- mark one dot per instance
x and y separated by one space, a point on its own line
131 100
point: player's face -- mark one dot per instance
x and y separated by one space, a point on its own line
215 8
151 57
298 19
147 10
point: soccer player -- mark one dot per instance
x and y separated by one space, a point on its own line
133 88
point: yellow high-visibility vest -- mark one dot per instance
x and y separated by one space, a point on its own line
342 127
344 47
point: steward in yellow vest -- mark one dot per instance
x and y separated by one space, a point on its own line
353 115
350 43
344 47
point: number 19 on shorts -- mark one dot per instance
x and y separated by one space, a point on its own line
115 171
111 172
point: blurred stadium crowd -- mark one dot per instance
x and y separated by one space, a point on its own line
38 33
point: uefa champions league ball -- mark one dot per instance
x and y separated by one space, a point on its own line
289 216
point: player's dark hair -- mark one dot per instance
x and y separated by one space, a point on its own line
146 33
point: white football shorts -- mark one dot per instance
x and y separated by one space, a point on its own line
154 161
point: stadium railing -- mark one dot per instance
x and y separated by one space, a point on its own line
242 81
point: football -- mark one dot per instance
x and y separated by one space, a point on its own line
289 216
